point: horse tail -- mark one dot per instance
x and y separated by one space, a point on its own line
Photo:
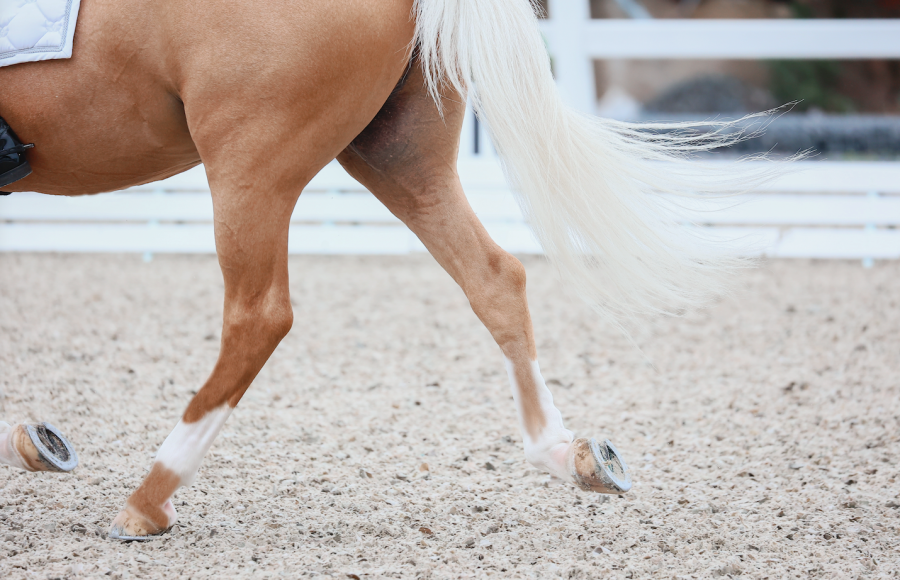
604 198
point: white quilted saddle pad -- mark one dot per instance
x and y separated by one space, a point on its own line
33 30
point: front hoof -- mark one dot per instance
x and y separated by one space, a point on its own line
54 451
42 447
598 467
130 525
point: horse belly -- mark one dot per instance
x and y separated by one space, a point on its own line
104 119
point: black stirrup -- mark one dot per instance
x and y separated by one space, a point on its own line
13 165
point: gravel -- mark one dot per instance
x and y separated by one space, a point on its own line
381 440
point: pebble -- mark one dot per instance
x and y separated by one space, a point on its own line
712 405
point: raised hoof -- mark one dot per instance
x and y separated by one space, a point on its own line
43 448
598 467
131 526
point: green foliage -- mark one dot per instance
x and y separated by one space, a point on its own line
799 10
812 82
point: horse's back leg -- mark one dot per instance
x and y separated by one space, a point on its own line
407 158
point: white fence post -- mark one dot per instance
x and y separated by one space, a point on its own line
565 32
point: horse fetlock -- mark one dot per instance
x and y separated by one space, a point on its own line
549 454
16 449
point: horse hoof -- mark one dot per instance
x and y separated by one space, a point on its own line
130 526
43 448
117 533
598 467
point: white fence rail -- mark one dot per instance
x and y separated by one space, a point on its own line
742 39
823 210
826 210
574 40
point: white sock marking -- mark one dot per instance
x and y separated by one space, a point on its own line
9 455
187 444
544 451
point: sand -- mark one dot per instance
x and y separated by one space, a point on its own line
381 440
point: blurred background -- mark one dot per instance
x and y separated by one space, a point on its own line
837 62
844 105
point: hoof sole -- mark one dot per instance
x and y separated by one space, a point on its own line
598 467
54 451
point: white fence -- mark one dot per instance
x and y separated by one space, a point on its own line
825 210
575 40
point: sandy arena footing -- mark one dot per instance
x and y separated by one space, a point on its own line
381 439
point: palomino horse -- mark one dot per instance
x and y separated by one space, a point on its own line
265 94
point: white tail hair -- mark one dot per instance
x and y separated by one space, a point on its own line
590 187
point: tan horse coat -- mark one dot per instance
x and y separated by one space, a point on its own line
265 98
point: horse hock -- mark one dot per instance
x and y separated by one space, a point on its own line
37 447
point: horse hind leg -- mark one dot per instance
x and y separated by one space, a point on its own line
407 158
